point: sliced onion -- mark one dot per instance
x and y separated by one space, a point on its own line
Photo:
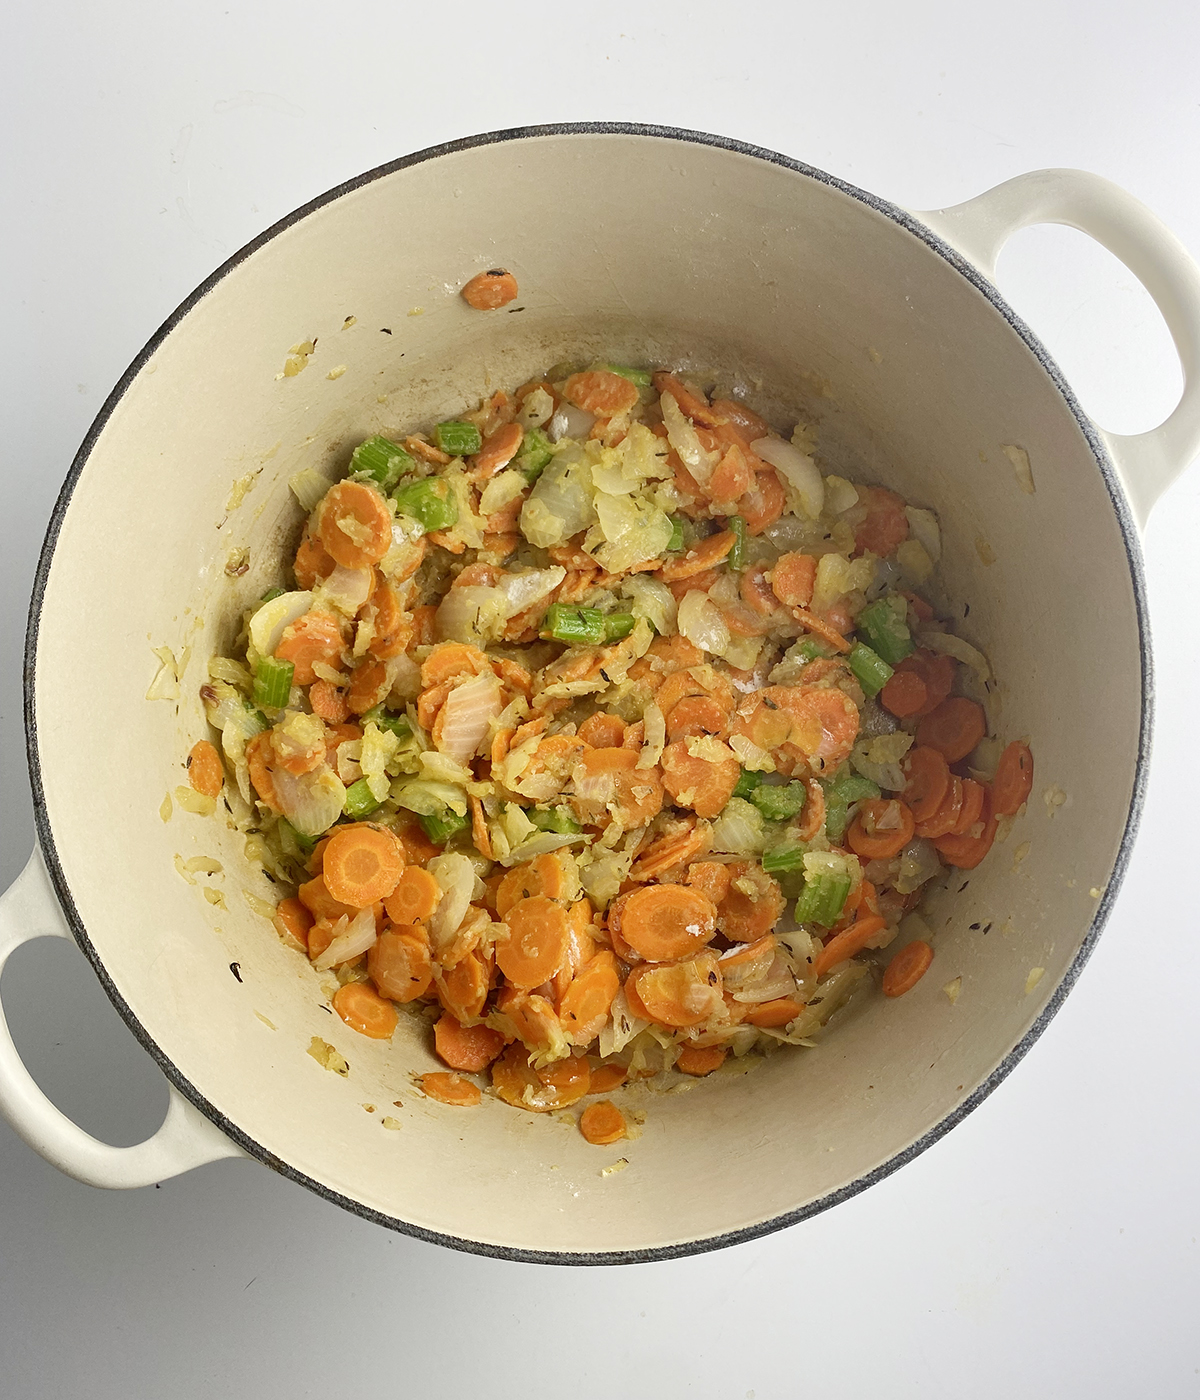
357 937
472 614
798 467
466 714
522 590
652 600
950 645
346 589
569 422
267 624
686 442
456 877
701 623
537 408
925 528
313 801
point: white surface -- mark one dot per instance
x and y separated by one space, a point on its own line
1047 1247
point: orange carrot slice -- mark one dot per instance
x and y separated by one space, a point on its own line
365 1011
907 968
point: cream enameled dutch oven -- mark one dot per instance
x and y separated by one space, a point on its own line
660 247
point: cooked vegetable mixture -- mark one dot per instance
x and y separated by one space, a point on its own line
605 730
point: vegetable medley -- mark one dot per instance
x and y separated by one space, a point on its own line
605 730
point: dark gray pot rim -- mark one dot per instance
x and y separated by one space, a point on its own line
1133 553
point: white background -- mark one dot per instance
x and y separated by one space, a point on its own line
1047 1247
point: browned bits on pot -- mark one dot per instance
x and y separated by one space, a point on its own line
488 290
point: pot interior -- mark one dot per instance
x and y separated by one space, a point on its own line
636 248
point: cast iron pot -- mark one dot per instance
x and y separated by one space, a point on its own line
661 247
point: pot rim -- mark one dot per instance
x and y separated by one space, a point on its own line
1133 553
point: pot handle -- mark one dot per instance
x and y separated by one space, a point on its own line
1147 462
186 1139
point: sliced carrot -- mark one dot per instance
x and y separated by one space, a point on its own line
586 1003
664 922
258 759
399 964
974 795
365 1011
205 771
354 524
849 942
694 406
544 875
695 683
362 865
315 637
603 731
812 623
634 795
745 917
1014 780
292 922
668 852
532 1017
793 579
885 526
418 848
928 778
695 715
450 659
702 784
679 994
602 1123
419 447
315 896
368 687
463 990
906 968
423 624
328 701
601 391
954 728
700 1060
903 694
536 943
966 851
606 1078
450 1089
499 449
430 702
733 475
882 828
705 554
779 1012
470 1048
945 819
710 877
764 503
480 834
814 811
488 291
313 561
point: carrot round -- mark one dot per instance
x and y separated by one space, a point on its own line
705 554
664 922
1014 780
536 943
743 917
954 728
907 968
928 778
328 702
974 795
487 291
775 1013
463 990
544 875
710 877
700 1060
702 784
606 1078
670 851
415 896
355 525
966 851
312 562
499 449
368 687
814 811
314 895
603 731
315 637
601 391
849 942
398 963
362 865
205 771
602 1123
764 503
470 1048
678 993
292 922
586 1002
793 579
695 715
885 525
882 829
903 694
945 819
450 1089
365 1011
636 793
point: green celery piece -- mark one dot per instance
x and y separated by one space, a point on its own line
809 649
675 543
736 558
555 819
271 593
430 501
360 800
837 814
822 900
640 377
780 860
618 626
384 462
458 439
441 828
853 788
535 452
885 630
779 803
871 669
747 783
273 683
385 719
575 626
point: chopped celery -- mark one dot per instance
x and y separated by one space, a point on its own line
809 649
385 719
872 670
556 819
779 803
431 502
747 783
360 799
853 788
383 461
884 627
270 594
618 625
273 683
457 438
441 828
783 859
575 626
640 377
737 555
822 899
534 454
675 543
837 814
